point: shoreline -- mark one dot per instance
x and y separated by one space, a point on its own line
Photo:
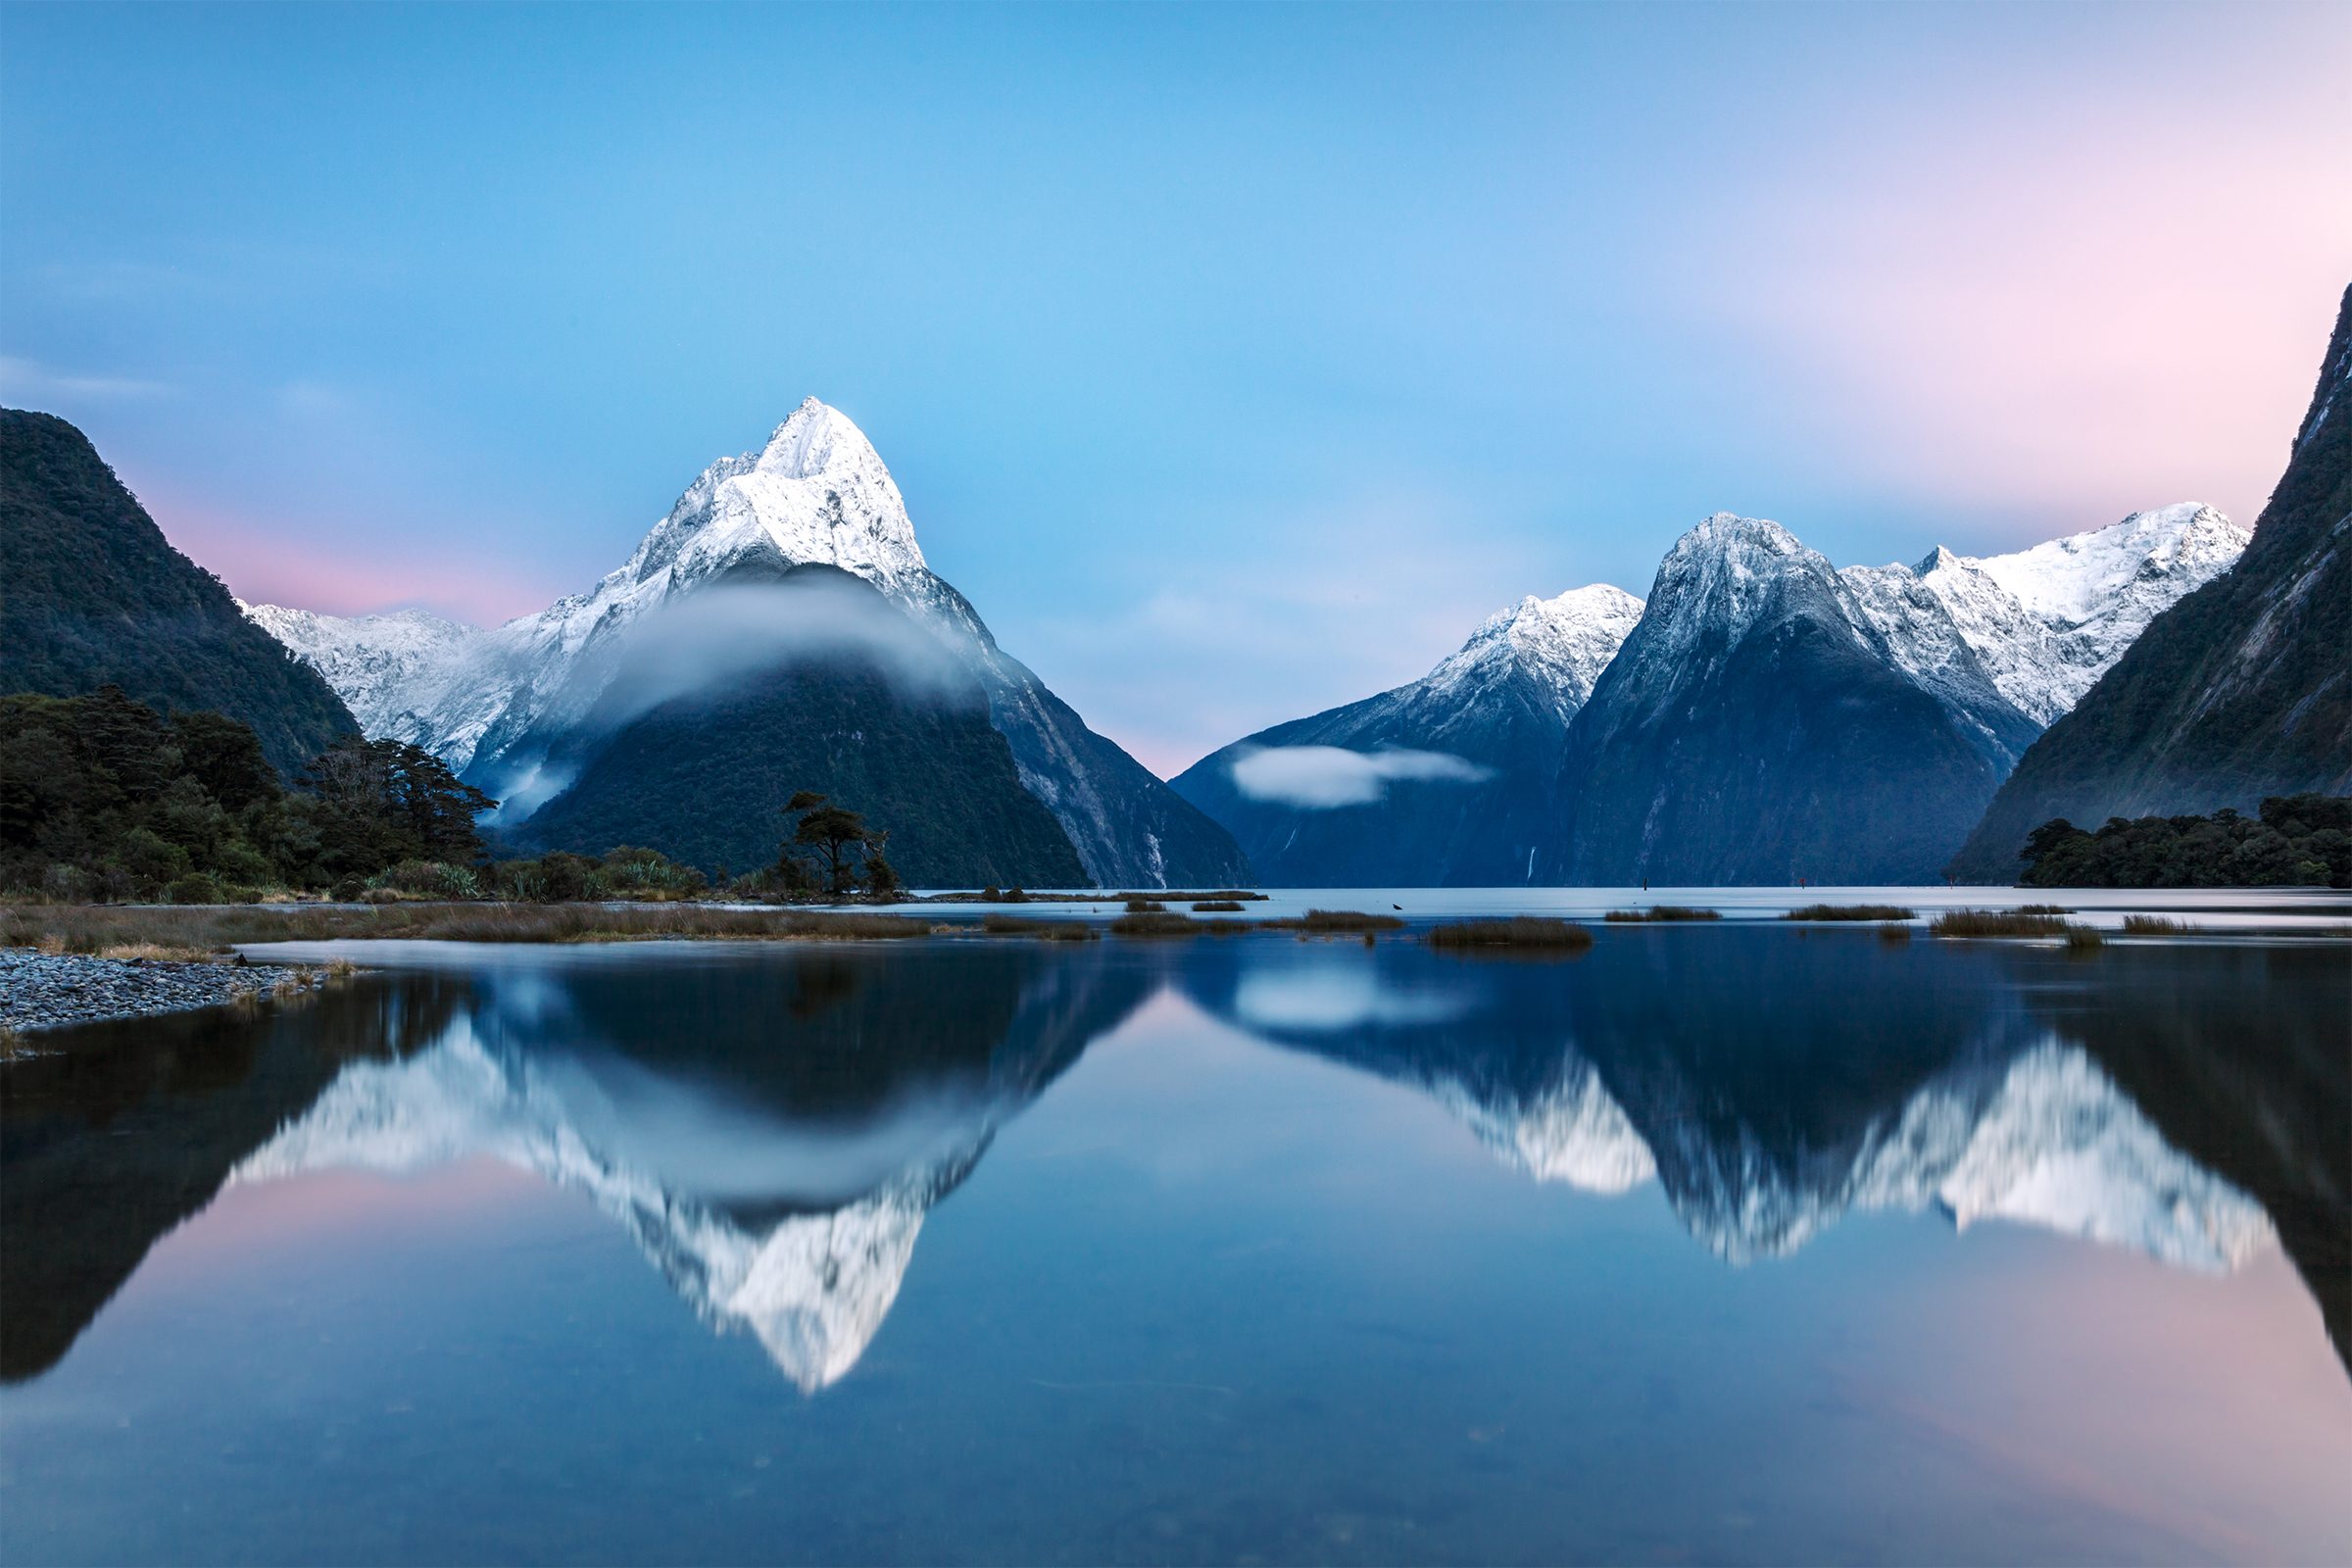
44 991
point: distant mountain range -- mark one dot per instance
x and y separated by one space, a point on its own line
529 710
92 594
1763 718
2240 691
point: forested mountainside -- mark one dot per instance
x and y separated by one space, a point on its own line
92 594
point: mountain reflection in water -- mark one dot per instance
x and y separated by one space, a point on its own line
772 1126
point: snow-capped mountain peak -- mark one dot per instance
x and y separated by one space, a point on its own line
2047 622
2087 577
1731 574
817 493
1562 644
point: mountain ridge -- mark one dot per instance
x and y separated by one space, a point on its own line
92 594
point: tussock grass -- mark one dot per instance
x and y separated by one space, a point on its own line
1158 923
156 952
1013 925
1142 905
1219 906
1851 911
204 932
2084 939
1660 911
2157 925
1334 922
1997 923
1895 931
1524 933
2044 908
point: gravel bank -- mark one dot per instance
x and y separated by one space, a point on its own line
51 991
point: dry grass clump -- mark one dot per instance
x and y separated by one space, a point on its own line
1219 906
157 953
1144 906
2084 939
1660 911
2157 925
1851 911
2044 908
1013 925
1158 923
1524 933
1334 922
1895 931
2029 922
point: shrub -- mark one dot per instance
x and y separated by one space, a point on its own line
194 888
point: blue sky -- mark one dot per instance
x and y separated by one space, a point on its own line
1234 361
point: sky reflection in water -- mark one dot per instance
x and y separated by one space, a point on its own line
1212 1249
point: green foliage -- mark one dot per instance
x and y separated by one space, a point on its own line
628 871
96 596
101 798
842 847
2298 840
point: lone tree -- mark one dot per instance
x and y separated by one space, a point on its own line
840 840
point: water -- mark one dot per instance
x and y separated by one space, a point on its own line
1736 1242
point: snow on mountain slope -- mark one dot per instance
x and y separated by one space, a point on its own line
1560 644
375 662
1444 776
497 705
2045 623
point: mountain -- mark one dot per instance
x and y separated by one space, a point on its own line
1457 778
700 775
1437 783
2241 690
369 659
95 595
1759 726
498 706
2045 623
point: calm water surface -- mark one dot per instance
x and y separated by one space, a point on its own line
1729 1243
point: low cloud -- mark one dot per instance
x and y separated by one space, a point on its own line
729 635
1320 778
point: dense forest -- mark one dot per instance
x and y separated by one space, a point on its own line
102 799
2298 840
95 595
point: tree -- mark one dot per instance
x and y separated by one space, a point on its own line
384 802
839 838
